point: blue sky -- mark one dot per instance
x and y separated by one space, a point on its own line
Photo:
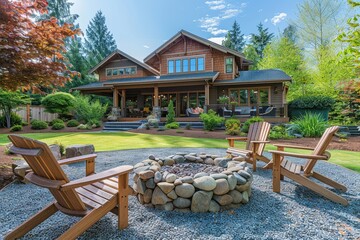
140 26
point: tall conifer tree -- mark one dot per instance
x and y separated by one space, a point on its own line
234 39
260 40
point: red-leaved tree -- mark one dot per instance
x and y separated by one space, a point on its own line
31 52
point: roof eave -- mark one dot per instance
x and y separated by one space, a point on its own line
251 82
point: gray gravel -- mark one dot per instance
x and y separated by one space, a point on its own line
296 213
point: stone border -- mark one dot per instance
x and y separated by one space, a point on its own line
202 193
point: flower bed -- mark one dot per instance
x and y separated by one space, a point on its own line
192 182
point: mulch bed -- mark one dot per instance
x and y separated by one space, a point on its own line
27 129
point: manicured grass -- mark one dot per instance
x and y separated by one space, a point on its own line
126 140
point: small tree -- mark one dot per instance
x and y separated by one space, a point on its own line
9 101
170 117
87 111
59 102
211 120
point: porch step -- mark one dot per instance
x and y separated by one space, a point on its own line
354 130
125 126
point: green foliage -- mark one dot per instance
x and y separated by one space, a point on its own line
232 126
147 126
94 123
260 40
59 102
223 99
173 125
57 120
211 120
16 128
188 126
8 101
170 116
251 54
73 123
87 111
279 132
247 123
84 127
58 126
62 147
312 102
234 39
310 125
38 125
14 120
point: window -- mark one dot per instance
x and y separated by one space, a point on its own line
178 65
264 96
114 72
120 71
185 65
229 65
192 64
243 96
171 66
200 64
133 70
108 72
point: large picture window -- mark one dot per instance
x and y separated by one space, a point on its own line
120 71
250 96
192 64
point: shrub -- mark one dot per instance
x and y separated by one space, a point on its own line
211 120
279 132
84 127
57 120
14 120
62 148
156 125
59 102
173 125
16 128
170 116
147 126
87 111
72 123
58 126
312 102
310 125
247 123
232 126
37 125
188 126
94 123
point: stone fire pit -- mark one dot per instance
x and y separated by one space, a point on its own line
192 182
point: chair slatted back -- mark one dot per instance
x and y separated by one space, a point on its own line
258 131
45 165
321 147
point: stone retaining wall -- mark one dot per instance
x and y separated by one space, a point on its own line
204 192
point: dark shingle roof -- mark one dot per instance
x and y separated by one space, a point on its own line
257 77
151 79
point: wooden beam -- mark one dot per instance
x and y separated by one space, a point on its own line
115 97
207 94
156 96
123 103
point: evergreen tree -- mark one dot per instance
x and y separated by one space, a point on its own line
170 117
60 9
260 40
99 41
290 33
251 54
234 39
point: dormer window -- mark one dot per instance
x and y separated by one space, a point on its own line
189 64
120 71
229 65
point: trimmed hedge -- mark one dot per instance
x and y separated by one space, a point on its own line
72 123
57 120
173 125
38 125
16 128
58 126
312 102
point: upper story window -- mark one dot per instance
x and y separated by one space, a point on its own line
192 64
120 71
229 65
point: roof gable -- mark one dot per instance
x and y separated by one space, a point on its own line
110 56
197 39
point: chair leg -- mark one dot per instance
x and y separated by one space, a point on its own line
276 173
329 182
254 159
87 221
316 188
32 222
123 211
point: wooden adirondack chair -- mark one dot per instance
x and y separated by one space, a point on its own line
90 197
302 173
255 143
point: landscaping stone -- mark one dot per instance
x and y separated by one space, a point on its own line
140 186
190 158
201 174
245 197
236 195
223 199
159 197
179 159
242 188
148 195
169 162
167 207
150 183
187 179
244 174
201 201
157 177
240 180
221 162
209 161
166 187
232 182
206 183
170 178
79 150
218 176
222 186
178 182
185 190
214 206
152 157
172 195
145 175
182 202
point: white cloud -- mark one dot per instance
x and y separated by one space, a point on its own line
217 7
260 10
217 40
247 38
243 5
215 2
209 22
278 18
146 46
229 13
266 20
216 31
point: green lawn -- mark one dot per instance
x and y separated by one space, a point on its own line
126 140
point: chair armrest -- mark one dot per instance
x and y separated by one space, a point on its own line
260 141
298 155
237 138
96 177
77 159
293 146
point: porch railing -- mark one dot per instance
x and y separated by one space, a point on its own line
273 110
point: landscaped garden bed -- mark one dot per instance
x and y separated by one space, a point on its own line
190 182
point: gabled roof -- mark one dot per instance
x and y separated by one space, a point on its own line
170 78
257 77
198 39
117 51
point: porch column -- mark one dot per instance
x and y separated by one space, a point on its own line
156 96
115 98
207 96
123 102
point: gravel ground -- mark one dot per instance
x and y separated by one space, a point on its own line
296 213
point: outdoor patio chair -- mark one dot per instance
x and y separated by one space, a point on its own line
90 197
255 143
302 173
